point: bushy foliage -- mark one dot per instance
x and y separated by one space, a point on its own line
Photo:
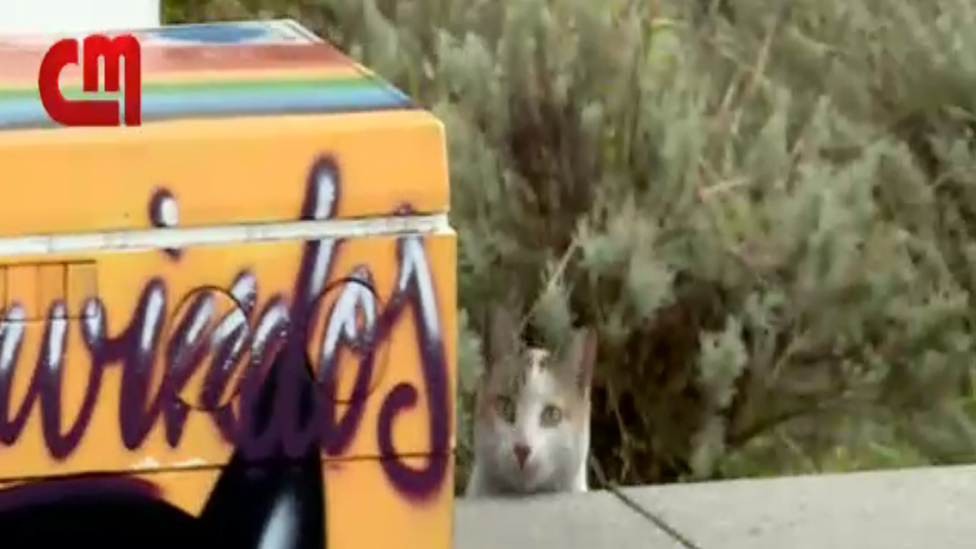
766 209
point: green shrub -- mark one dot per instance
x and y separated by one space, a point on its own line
766 209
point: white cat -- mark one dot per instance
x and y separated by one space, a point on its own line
532 418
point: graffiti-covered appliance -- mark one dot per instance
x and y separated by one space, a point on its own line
232 326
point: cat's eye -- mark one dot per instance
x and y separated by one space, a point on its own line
551 416
506 408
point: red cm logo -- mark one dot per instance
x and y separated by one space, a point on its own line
93 112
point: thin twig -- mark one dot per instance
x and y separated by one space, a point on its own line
762 61
560 269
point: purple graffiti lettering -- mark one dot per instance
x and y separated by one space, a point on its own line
45 385
416 290
343 333
256 342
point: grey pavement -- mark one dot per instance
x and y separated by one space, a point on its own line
909 509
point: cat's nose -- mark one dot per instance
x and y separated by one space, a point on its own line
521 453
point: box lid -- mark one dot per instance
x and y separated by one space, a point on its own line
234 116
211 70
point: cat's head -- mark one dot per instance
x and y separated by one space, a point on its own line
533 408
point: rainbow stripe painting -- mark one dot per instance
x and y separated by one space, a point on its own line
210 71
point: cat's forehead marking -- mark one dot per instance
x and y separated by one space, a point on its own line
533 372
540 380
538 358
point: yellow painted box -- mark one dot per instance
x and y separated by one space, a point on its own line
234 325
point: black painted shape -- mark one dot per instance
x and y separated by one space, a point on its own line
272 504
110 513
277 500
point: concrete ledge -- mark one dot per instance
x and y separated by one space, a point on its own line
596 520
909 509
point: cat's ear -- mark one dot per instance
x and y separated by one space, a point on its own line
501 339
580 358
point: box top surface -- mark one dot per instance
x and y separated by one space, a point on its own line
211 70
